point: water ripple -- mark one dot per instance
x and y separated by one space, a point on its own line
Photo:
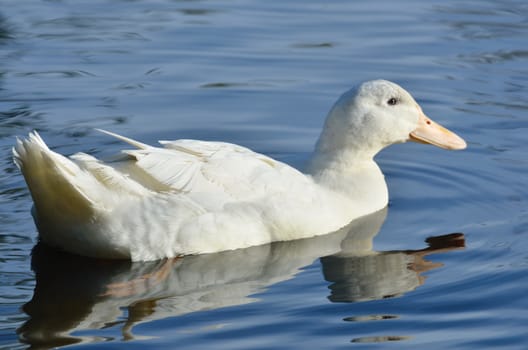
19 118
495 57
381 339
58 74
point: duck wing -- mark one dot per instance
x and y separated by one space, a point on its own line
207 168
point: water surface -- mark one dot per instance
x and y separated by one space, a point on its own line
264 74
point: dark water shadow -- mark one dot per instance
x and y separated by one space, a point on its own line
74 293
5 31
5 36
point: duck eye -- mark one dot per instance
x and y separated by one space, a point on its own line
392 101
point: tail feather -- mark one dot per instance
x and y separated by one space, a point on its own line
57 185
73 198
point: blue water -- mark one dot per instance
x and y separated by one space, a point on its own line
264 74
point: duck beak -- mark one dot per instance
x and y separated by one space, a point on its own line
433 133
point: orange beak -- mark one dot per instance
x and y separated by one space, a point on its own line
433 133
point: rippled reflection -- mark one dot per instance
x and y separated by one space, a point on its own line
74 293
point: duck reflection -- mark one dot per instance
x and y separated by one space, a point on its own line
74 293
379 275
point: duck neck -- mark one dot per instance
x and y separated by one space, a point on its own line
352 173
343 160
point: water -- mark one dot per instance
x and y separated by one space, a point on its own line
263 74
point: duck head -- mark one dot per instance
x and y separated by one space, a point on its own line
379 113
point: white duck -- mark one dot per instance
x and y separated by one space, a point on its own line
192 197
